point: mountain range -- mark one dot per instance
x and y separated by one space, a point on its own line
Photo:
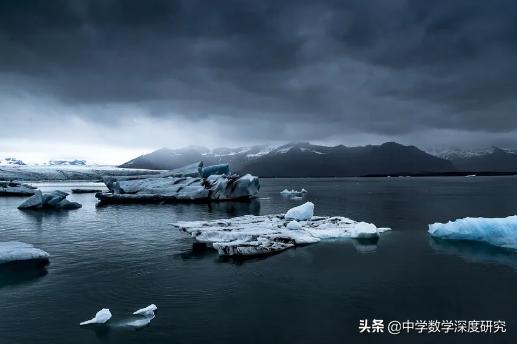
303 159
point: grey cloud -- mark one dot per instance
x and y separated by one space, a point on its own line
386 68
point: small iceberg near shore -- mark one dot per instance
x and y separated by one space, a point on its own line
494 231
251 235
49 200
16 189
101 317
15 251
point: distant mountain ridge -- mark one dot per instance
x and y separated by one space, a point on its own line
493 159
302 159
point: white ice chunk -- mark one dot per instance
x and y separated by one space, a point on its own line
301 212
293 192
294 225
101 317
363 230
495 231
147 311
12 251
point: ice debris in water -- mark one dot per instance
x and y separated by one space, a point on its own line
15 251
16 189
293 192
251 235
495 231
101 317
147 311
49 200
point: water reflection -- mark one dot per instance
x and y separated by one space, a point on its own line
365 245
235 208
475 252
16 273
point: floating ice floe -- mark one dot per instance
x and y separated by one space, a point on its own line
49 200
15 251
147 311
16 189
181 185
293 193
101 317
495 231
258 235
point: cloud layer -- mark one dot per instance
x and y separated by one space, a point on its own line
265 70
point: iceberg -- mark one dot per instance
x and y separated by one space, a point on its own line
181 186
293 192
16 189
147 311
101 317
301 212
49 200
251 235
494 231
15 251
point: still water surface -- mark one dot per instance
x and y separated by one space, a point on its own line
125 257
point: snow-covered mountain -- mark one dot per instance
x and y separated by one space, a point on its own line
482 160
167 159
11 161
302 159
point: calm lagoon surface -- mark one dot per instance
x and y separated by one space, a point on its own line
125 257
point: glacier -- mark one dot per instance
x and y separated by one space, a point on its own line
49 200
251 235
15 251
47 173
494 231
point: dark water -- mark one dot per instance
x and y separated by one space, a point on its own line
126 257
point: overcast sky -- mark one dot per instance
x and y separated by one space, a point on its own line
108 80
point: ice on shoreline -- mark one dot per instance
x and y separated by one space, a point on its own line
15 251
251 235
49 200
495 231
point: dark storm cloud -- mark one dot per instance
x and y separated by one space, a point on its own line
383 67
